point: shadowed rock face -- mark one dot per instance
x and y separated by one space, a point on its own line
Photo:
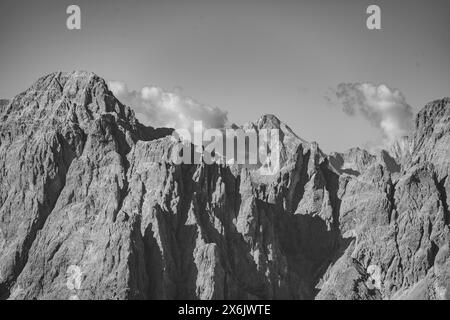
85 185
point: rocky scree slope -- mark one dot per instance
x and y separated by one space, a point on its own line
84 184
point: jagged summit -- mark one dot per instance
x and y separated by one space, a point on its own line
431 138
79 98
61 77
432 120
270 121
60 90
72 85
354 161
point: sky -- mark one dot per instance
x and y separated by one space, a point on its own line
313 63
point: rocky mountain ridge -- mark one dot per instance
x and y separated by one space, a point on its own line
84 185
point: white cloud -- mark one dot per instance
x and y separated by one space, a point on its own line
385 108
159 108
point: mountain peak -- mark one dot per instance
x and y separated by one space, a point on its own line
434 117
269 121
59 79
57 93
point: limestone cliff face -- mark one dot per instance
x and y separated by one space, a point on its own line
84 185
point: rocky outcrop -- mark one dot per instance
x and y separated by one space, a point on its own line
353 162
3 104
90 208
399 223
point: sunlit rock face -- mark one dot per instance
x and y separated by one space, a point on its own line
90 208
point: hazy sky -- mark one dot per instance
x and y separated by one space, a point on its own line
246 57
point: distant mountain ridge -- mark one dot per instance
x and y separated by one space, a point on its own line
84 186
